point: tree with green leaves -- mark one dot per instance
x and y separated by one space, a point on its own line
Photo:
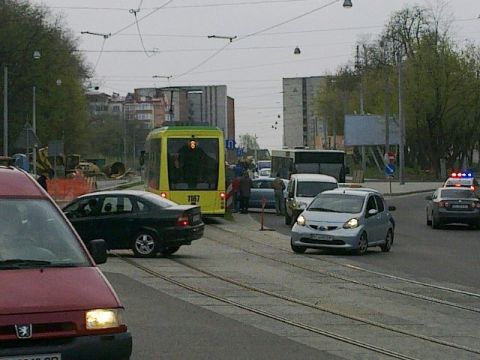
248 142
57 75
441 83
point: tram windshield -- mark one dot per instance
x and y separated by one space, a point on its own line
192 163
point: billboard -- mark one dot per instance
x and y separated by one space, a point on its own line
369 130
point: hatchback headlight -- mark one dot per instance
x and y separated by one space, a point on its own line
103 319
301 220
351 224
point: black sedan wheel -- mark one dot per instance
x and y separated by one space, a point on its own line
362 245
169 250
388 242
145 244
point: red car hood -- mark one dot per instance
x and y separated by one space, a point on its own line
54 289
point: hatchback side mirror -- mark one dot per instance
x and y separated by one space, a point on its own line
392 208
372 212
98 250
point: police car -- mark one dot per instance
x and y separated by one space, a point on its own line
462 179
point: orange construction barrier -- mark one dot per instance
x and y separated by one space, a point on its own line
68 189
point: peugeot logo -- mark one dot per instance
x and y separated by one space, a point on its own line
323 228
24 331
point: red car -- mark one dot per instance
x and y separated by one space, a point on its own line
55 304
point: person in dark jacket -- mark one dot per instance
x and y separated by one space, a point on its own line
245 190
42 180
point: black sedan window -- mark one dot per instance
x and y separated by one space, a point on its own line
83 207
116 205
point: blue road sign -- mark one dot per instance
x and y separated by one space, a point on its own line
230 144
389 169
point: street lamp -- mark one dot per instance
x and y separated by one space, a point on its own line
36 56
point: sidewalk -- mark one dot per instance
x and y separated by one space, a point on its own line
395 189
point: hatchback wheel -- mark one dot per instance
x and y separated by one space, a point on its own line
169 250
388 242
297 249
145 244
362 245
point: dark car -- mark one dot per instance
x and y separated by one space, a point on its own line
144 222
453 205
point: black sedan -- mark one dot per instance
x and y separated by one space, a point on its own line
453 205
144 222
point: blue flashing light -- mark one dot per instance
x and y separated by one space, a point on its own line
462 175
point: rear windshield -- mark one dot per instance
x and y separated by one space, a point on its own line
313 188
457 194
34 234
341 203
193 163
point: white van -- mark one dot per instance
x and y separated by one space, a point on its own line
301 190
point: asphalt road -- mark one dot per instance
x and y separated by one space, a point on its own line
449 254
164 327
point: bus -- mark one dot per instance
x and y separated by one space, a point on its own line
297 161
186 164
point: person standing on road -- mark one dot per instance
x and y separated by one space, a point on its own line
236 193
245 190
278 186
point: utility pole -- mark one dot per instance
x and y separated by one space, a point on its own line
401 148
34 126
385 102
362 108
5 111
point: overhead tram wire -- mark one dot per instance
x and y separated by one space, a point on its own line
143 17
287 21
261 2
254 34
134 12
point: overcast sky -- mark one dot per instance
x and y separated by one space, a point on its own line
176 44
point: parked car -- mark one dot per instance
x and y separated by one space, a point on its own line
264 173
348 219
54 301
453 205
301 190
142 221
262 189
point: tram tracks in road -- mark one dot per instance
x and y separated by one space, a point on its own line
425 298
314 329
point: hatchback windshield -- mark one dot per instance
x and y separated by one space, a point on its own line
33 234
341 203
313 188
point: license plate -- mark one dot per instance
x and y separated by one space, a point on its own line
322 237
459 206
196 218
34 357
